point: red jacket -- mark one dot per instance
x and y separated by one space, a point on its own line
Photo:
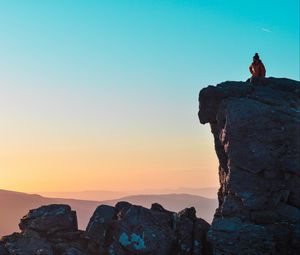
257 69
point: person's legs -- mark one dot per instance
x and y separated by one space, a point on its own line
254 79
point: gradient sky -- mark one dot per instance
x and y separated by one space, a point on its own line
104 94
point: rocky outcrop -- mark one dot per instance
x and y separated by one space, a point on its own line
48 230
125 229
256 128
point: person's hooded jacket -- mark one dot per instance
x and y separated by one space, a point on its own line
257 68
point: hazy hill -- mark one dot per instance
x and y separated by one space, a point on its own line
205 207
100 195
14 205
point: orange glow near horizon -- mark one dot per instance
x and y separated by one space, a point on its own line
70 162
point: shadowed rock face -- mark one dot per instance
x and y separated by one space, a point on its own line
50 219
125 229
256 128
129 229
47 230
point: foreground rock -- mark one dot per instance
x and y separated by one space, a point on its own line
130 229
121 230
48 230
256 129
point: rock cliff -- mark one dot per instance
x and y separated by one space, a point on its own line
256 129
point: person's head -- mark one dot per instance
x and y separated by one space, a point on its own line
256 57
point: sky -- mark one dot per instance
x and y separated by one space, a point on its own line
103 95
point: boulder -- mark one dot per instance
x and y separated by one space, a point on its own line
137 230
97 227
19 244
2 248
50 219
47 230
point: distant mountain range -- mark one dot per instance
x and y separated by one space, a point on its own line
205 207
14 205
100 195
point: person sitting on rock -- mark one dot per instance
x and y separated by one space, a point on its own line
257 69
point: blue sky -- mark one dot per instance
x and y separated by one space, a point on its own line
119 69
189 38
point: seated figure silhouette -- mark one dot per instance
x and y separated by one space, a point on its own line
257 69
